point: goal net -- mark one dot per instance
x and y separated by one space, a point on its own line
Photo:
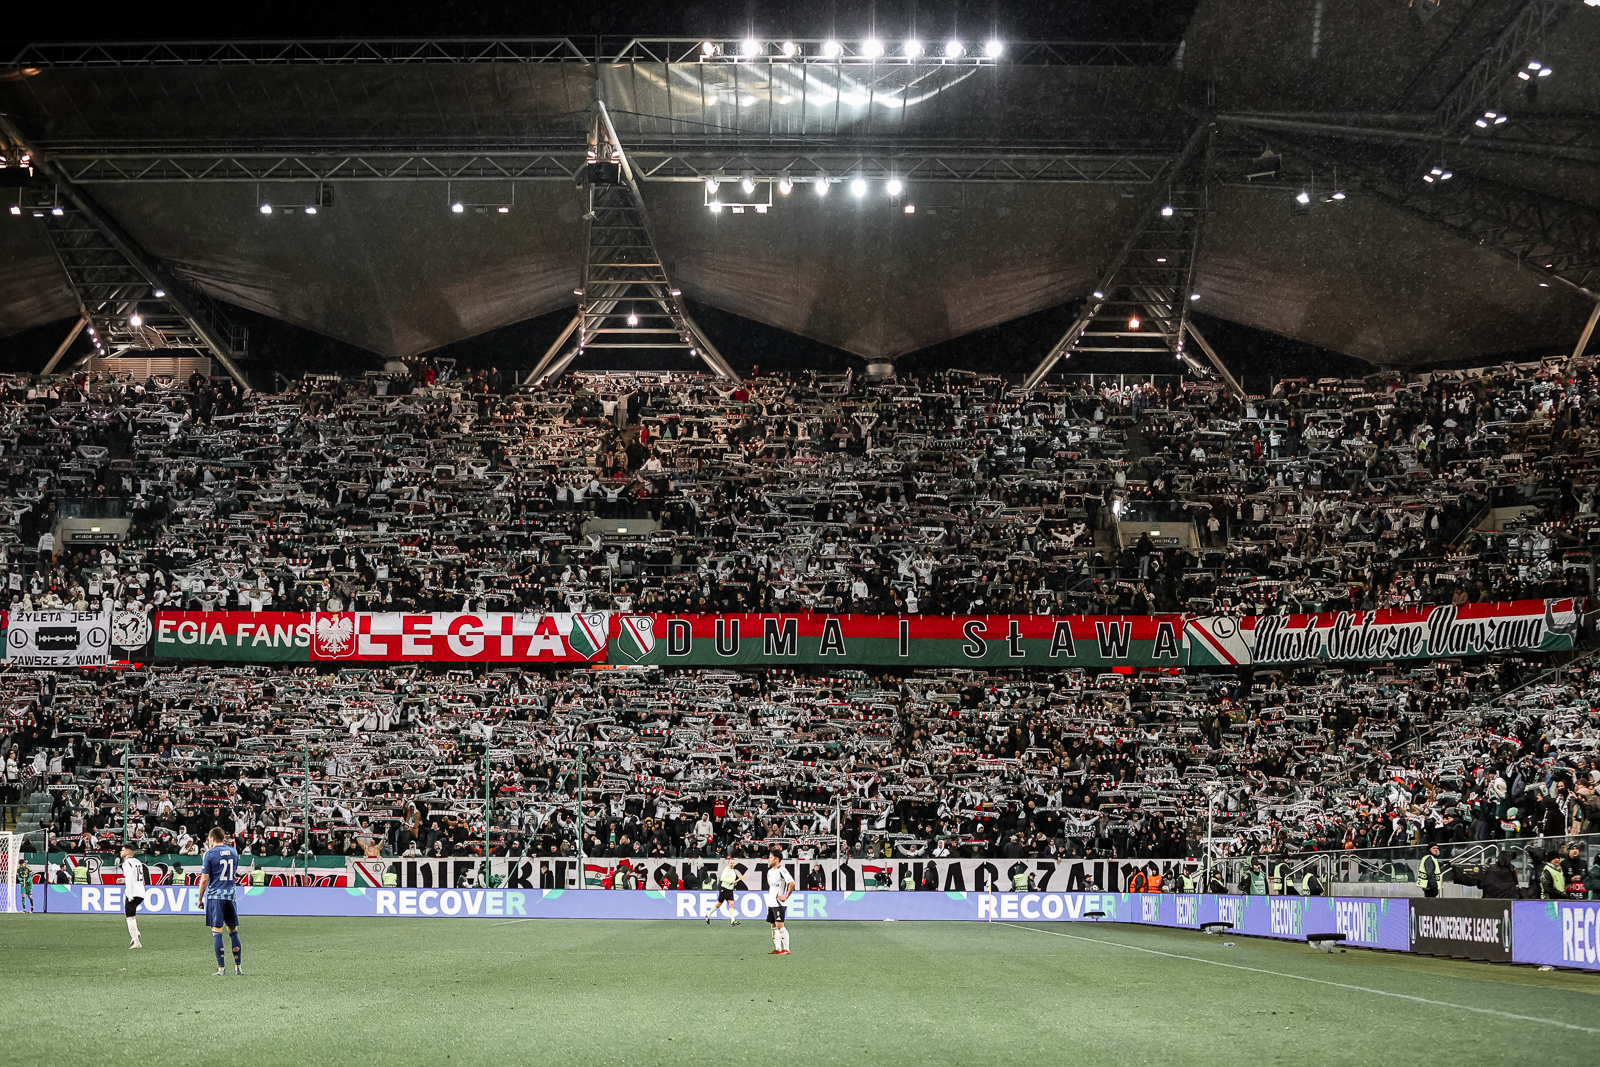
10 864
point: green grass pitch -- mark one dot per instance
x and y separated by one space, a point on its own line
464 992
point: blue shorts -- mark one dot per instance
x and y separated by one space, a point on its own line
221 913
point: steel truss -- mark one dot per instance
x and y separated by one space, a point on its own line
627 300
852 51
126 299
1141 303
565 164
1483 82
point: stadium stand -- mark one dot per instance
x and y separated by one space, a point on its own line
946 494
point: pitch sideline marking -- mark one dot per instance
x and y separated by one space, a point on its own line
1318 981
508 922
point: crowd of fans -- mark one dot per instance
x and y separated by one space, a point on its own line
947 494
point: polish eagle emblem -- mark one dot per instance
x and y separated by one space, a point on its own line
333 635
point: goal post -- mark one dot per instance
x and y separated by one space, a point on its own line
11 893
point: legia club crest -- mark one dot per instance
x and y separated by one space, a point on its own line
636 637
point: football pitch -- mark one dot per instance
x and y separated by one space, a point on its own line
464 992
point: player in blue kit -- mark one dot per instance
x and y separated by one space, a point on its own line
218 875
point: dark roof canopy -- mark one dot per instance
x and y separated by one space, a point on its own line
1026 176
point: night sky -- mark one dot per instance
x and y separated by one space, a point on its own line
1010 347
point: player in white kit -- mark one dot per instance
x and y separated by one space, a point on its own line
132 893
780 883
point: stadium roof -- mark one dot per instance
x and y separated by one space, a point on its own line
1027 174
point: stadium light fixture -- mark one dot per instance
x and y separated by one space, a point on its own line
821 185
135 320
16 209
1194 296
832 49
57 211
750 48
716 207
708 49
1338 194
458 207
785 185
911 209
872 48
993 49
747 183
1302 198
1166 212
159 293
858 187
913 48
633 318
789 49
712 185
311 210
266 209
1533 70
503 209
895 186
1133 322
954 49
1098 295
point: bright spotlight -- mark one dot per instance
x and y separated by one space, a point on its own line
1166 212
895 186
785 185
1194 296
954 49
716 207
821 186
159 293
993 49
858 187
832 49
266 209
503 209
748 184
633 318
712 185
872 48
1133 322
1098 295
1339 195
789 49
1302 197
708 49
135 320
57 211
458 207
311 211
750 48
911 209
913 48
16 209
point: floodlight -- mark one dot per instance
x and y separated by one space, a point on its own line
895 186
1302 197
954 49
911 209
311 211
633 318
1194 296
858 187
748 184
832 49
872 48
503 209
750 48
1339 195
135 320
785 185
1428 178
1166 212
1446 176
716 206
1133 322
708 49
159 293
821 186
457 207
913 48
712 185
789 49
266 209
1098 295
57 211
16 209
993 49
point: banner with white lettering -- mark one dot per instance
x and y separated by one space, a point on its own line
56 638
1472 929
1349 636
1556 933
